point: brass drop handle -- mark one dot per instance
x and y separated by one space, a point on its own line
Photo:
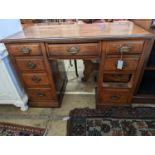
36 79
73 50
31 65
41 94
25 50
125 49
115 97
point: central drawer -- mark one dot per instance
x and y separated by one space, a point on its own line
85 49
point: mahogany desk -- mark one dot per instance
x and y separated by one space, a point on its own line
37 53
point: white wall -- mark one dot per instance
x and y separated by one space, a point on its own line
8 27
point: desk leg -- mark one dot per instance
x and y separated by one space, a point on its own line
76 70
89 67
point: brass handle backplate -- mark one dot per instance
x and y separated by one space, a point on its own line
25 50
73 50
41 94
125 49
36 79
31 65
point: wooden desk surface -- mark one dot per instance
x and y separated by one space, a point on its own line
102 31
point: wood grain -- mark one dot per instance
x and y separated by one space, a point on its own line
40 94
114 96
35 79
135 46
30 64
144 23
130 63
79 32
17 49
91 49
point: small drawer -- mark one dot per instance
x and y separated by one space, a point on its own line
126 47
110 77
25 49
35 79
40 94
114 96
129 64
30 64
87 49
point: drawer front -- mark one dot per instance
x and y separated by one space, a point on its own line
116 77
91 49
114 96
25 49
44 104
129 64
35 79
40 94
30 64
127 47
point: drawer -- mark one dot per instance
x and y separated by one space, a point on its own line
129 63
127 47
110 77
25 49
40 94
35 79
87 49
114 96
30 64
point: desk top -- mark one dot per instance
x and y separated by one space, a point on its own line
101 31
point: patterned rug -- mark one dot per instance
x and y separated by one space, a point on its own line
8 129
113 121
